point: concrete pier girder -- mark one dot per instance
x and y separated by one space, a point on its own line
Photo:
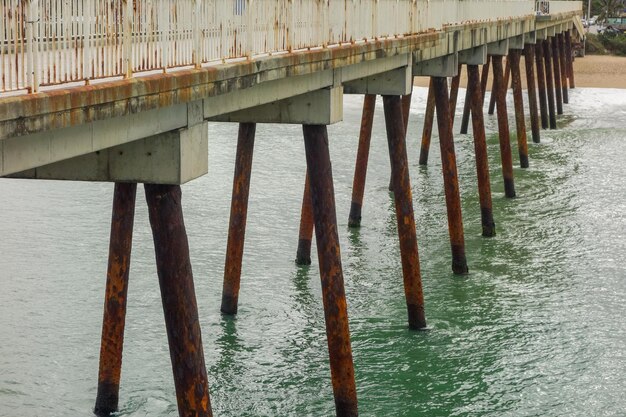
394 82
473 56
173 157
53 126
445 66
321 107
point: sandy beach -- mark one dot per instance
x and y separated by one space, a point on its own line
599 71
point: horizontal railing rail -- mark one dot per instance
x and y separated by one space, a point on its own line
48 42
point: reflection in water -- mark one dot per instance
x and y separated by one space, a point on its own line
534 329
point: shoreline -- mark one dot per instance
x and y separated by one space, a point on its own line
595 71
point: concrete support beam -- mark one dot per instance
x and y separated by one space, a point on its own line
376 67
516 42
394 82
445 66
498 48
473 56
267 92
26 152
174 157
321 107
530 38
541 34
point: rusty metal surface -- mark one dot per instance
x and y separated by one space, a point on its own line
179 299
529 60
466 110
238 217
547 56
450 177
480 149
454 94
570 59
503 126
541 85
404 212
429 118
484 77
331 272
362 156
563 66
114 316
556 72
507 74
518 102
303 253
50 42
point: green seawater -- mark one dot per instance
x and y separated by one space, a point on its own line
535 329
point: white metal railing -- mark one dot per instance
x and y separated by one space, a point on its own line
546 7
47 42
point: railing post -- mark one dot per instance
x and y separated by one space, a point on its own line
127 19
197 60
32 70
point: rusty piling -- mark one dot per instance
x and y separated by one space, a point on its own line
404 213
547 55
114 316
503 127
480 149
563 66
484 77
466 111
556 69
305 235
428 125
450 179
406 107
333 293
179 299
238 217
570 58
529 59
454 94
541 85
507 74
362 155
518 101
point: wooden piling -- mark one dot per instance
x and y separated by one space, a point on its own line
503 127
570 58
480 149
238 217
305 236
450 179
362 155
518 101
428 125
529 59
556 69
563 66
547 55
179 299
541 85
114 316
404 213
333 293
